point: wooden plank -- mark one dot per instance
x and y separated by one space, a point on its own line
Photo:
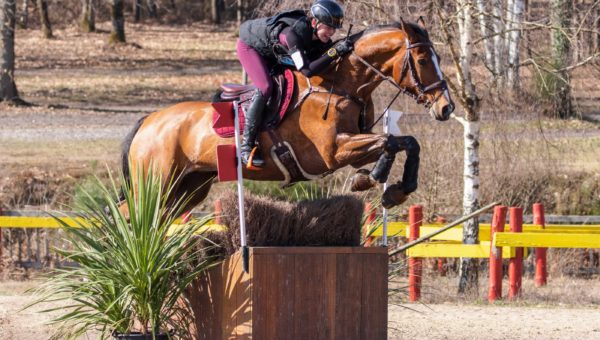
319 250
309 321
349 296
330 266
547 240
374 297
273 306
205 296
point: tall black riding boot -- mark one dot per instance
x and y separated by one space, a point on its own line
252 121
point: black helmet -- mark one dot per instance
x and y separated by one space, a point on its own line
328 12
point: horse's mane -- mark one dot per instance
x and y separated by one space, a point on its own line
388 27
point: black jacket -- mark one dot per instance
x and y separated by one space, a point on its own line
263 34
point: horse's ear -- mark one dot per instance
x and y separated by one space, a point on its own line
406 27
402 26
421 22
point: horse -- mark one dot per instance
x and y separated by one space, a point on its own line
328 125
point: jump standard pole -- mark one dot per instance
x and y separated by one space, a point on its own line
240 189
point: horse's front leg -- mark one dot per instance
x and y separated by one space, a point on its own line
397 193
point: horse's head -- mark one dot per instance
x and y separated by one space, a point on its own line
408 56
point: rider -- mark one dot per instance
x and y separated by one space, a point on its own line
302 37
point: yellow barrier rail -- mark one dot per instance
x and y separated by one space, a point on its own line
48 222
400 229
455 250
553 240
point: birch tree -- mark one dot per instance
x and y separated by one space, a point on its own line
8 88
467 96
486 32
514 40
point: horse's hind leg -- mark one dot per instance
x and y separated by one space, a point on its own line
194 187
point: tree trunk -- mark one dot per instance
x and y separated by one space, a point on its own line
137 10
152 10
215 16
118 23
485 29
45 21
469 269
562 11
498 42
513 46
24 15
88 16
8 88
240 12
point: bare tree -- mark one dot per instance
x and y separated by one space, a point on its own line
8 88
152 9
24 14
44 19
215 11
137 10
562 12
240 12
117 35
88 15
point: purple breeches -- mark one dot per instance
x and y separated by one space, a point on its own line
256 67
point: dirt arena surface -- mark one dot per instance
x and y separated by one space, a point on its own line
441 321
406 321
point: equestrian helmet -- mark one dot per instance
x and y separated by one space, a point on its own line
328 12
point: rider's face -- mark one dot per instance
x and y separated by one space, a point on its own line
323 32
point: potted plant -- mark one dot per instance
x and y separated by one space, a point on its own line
133 268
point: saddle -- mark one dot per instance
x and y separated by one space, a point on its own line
275 110
223 123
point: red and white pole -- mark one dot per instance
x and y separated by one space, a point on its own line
370 212
495 282
515 266
415 265
541 273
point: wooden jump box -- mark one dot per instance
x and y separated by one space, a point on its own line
294 293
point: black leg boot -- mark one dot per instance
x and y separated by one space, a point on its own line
248 150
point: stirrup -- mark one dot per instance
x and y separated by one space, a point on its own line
249 165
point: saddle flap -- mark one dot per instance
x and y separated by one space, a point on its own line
224 115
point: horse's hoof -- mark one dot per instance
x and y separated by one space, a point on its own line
393 196
362 181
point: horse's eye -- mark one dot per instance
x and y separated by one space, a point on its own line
422 62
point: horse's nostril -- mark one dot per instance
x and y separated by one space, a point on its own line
447 110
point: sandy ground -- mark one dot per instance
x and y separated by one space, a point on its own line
493 322
407 321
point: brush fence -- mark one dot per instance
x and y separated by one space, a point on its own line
294 293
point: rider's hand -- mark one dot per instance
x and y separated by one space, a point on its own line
343 47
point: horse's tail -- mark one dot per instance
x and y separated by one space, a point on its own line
125 147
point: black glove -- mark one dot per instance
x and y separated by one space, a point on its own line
343 47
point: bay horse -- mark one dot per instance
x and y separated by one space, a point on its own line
180 142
